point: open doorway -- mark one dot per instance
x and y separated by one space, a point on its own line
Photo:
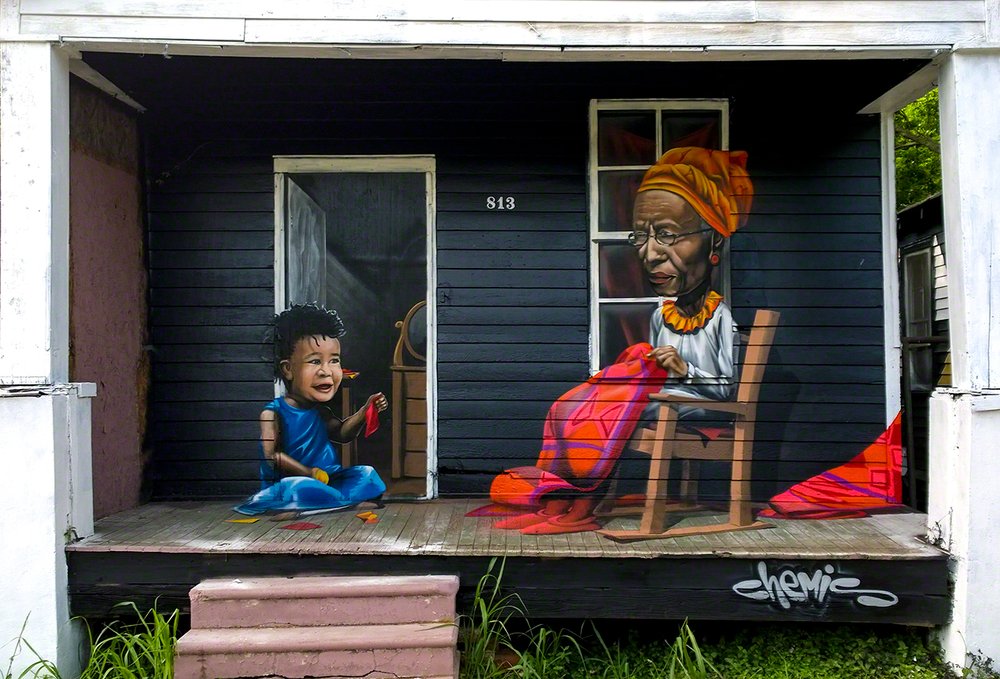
354 234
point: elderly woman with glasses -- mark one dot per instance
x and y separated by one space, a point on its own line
689 202
687 205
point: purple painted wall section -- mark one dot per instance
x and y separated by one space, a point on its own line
108 290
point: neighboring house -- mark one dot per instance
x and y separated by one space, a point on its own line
172 173
926 355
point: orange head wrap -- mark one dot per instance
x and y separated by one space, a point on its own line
715 183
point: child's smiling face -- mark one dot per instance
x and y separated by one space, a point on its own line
313 372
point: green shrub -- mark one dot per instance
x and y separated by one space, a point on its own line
826 652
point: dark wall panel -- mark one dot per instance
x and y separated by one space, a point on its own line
512 289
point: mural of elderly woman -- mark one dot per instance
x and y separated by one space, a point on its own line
688 203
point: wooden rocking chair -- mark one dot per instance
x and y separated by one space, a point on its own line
664 443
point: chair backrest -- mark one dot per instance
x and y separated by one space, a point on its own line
755 358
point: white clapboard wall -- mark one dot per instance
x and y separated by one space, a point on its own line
569 27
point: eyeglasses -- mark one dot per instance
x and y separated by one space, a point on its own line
662 236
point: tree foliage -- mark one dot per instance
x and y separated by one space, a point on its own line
918 151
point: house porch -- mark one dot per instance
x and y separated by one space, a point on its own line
157 552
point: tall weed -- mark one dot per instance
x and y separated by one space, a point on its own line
485 631
140 650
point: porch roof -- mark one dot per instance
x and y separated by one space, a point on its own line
528 31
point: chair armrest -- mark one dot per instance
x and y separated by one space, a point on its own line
735 407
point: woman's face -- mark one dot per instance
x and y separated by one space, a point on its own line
673 270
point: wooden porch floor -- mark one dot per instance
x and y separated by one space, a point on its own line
440 528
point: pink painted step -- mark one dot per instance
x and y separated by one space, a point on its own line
400 651
323 600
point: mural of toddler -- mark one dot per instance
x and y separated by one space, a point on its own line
300 469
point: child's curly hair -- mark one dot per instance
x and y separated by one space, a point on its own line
294 323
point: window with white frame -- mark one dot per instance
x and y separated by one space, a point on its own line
626 137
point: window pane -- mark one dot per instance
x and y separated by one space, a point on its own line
691 128
623 325
626 137
620 272
616 193
919 298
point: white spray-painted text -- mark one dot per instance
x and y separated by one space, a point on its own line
788 586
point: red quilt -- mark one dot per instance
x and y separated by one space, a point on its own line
871 481
585 431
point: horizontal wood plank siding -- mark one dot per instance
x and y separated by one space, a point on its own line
512 293
698 23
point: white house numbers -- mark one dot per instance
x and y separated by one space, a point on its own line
501 203
790 586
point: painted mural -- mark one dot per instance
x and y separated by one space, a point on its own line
675 387
679 395
300 470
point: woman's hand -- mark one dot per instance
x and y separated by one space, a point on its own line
380 401
667 358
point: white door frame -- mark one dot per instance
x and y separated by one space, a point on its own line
381 164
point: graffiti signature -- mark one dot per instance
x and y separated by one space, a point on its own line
788 586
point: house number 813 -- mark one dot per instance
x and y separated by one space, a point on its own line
500 203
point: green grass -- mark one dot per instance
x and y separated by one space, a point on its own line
497 642
492 648
140 650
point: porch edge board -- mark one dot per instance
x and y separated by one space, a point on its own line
913 592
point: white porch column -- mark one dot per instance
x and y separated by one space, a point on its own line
964 504
44 422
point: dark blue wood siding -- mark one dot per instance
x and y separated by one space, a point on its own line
512 294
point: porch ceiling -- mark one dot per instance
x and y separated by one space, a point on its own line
179 85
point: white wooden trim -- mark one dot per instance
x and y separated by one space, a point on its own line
970 164
594 332
46 425
829 31
337 50
629 300
992 22
526 33
384 163
432 434
208 29
839 11
427 165
280 272
538 10
9 18
890 273
34 240
81 69
542 11
905 92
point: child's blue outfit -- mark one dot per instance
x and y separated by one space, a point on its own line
304 437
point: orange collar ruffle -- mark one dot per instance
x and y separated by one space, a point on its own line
688 324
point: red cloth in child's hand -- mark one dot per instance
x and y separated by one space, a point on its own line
371 420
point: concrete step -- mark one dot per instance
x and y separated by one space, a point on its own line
323 600
378 651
